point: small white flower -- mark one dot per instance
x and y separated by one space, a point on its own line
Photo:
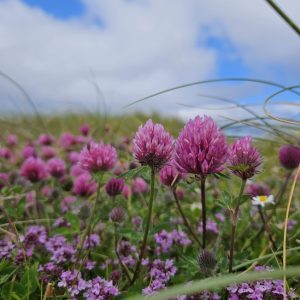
263 200
195 205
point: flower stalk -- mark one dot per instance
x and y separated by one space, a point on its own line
149 217
89 224
234 225
118 255
186 222
203 204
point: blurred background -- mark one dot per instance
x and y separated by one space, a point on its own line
94 55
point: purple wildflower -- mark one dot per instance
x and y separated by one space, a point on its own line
49 272
114 186
169 175
6 248
67 141
74 157
210 226
98 157
160 273
91 241
3 180
152 145
11 140
5 153
46 139
48 152
60 249
244 158
28 151
35 236
100 289
139 186
257 189
73 282
117 215
34 169
66 203
56 167
201 148
84 185
85 129
289 156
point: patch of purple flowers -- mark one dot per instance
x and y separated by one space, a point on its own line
160 273
165 240
259 290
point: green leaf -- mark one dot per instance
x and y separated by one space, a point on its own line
217 283
29 281
12 290
73 220
221 176
6 273
140 171
20 209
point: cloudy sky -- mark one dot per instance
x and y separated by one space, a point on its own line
100 54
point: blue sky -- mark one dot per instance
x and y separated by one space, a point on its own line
61 9
60 49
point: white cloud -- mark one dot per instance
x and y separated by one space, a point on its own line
143 47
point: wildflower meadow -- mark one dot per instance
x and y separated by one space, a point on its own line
88 214
149 150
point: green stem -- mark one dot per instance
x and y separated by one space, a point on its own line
118 255
203 203
89 225
138 266
285 17
234 224
267 228
186 222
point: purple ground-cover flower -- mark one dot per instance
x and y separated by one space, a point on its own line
100 289
73 282
61 250
259 290
160 273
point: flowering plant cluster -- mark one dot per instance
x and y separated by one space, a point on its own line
89 218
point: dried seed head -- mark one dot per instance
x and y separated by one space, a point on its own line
207 262
117 215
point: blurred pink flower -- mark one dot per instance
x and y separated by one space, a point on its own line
289 156
56 167
46 139
139 185
98 157
85 129
34 169
83 185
